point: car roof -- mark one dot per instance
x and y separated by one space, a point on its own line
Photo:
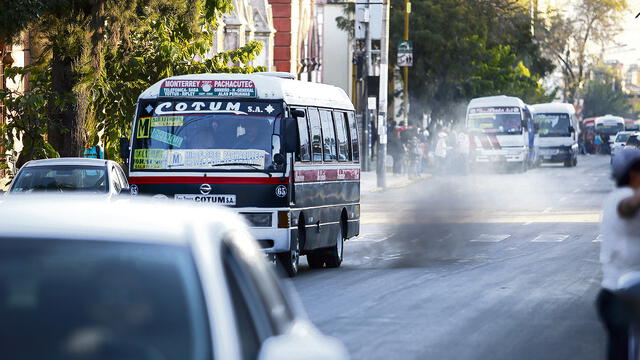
68 161
72 217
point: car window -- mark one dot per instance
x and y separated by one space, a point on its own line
115 179
62 178
316 134
329 137
133 301
303 133
251 318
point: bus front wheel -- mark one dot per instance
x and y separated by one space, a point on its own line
290 260
334 254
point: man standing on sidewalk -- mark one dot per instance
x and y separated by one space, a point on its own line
620 248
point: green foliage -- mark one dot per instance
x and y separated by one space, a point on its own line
603 97
99 55
465 49
27 118
163 48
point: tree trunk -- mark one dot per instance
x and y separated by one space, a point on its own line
66 125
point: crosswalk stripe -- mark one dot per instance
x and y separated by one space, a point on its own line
491 238
550 238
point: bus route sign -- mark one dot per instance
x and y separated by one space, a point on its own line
208 88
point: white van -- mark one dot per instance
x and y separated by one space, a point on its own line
499 128
556 133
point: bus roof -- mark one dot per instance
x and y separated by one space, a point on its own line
500 100
564 108
609 118
269 86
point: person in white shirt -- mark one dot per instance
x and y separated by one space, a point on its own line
620 248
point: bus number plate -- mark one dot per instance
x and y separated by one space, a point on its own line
213 199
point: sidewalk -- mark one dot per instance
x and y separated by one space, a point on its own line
369 181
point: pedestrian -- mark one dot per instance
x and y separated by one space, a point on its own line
393 147
463 151
598 142
620 248
441 151
93 151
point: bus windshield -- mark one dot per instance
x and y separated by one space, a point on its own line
204 135
556 124
495 120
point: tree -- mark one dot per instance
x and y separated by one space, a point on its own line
468 48
567 40
86 44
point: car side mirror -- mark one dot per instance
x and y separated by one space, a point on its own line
310 347
124 149
290 135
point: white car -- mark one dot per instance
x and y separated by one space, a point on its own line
70 176
143 280
620 140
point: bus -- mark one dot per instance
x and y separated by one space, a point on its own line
557 133
499 132
609 124
283 153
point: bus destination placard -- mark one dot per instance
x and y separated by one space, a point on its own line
208 88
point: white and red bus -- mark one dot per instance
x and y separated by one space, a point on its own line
281 152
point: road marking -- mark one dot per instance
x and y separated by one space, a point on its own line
371 237
598 239
490 238
550 238
527 223
547 210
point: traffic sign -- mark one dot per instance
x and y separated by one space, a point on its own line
405 53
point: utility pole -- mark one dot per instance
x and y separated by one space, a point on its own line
407 11
381 167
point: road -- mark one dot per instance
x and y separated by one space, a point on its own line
483 266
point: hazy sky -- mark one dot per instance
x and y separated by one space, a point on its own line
629 37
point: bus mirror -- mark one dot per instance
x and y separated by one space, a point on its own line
290 135
278 159
571 129
296 113
124 149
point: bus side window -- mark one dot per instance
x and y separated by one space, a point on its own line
316 135
341 136
329 136
303 134
353 135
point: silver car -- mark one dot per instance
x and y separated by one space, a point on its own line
71 175
145 280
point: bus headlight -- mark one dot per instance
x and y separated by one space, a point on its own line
258 219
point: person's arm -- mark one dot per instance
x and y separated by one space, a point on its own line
628 207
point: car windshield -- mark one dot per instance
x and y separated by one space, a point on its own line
553 124
610 128
99 300
202 135
500 120
622 137
62 178
633 141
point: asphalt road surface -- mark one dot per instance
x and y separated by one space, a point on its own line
482 266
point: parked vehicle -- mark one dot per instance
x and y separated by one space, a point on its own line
633 142
71 176
142 280
283 153
499 128
557 133
620 140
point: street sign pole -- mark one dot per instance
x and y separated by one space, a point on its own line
382 100
407 11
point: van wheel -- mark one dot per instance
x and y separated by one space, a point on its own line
291 259
568 163
334 254
575 161
315 259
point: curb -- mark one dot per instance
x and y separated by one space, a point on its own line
402 184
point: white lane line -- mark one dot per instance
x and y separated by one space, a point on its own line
547 209
372 237
598 239
527 223
491 238
550 238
